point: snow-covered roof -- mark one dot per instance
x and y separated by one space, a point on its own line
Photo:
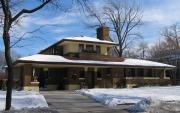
88 39
40 58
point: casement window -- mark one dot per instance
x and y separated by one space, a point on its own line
109 51
140 72
89 48
98 50
59 50
108 72
149 73
130 72
81 47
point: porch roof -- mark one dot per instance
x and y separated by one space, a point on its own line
56 59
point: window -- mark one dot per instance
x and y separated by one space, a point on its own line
81 47
82 74
130 72
149 73
99 74
98 49
108 72
140 72
108 50
59 50
89 48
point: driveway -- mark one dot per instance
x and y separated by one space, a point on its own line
70 102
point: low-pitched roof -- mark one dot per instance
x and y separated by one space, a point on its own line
55 59
89 39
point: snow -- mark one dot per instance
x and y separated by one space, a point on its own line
24 99
89 39
61 59
141 98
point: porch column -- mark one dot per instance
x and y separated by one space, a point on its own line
27 75
164 74
27 78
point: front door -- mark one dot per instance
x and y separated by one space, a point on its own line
107 76
42 78
61 81
108 81
91 78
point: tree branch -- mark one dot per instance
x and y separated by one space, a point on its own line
30 11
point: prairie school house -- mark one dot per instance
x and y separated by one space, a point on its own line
86 62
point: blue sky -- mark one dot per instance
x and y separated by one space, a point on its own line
156 15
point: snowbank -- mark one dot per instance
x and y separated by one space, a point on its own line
141 98
23 99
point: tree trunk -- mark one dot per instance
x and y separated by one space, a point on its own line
120 52
9 88
6 39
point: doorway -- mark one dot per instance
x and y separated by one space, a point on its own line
91 78
107 78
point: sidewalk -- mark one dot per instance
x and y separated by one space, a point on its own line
70 102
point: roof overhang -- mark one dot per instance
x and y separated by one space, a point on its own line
55 62
62 65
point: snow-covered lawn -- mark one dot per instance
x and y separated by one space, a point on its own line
23 99
141 98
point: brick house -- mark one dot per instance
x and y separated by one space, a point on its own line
86 62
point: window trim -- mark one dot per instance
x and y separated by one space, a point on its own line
89 46
98 52
81 45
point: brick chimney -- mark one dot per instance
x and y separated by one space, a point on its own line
103 33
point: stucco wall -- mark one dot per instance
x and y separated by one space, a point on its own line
73 47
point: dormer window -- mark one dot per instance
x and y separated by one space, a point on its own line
89 48
98 49
81 47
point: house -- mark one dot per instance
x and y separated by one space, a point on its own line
85 62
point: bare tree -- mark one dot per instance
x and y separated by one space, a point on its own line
12 12
158 50
15 55
142 50
172 36
123 18
170 42
130 53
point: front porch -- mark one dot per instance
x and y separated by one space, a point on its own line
77 77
